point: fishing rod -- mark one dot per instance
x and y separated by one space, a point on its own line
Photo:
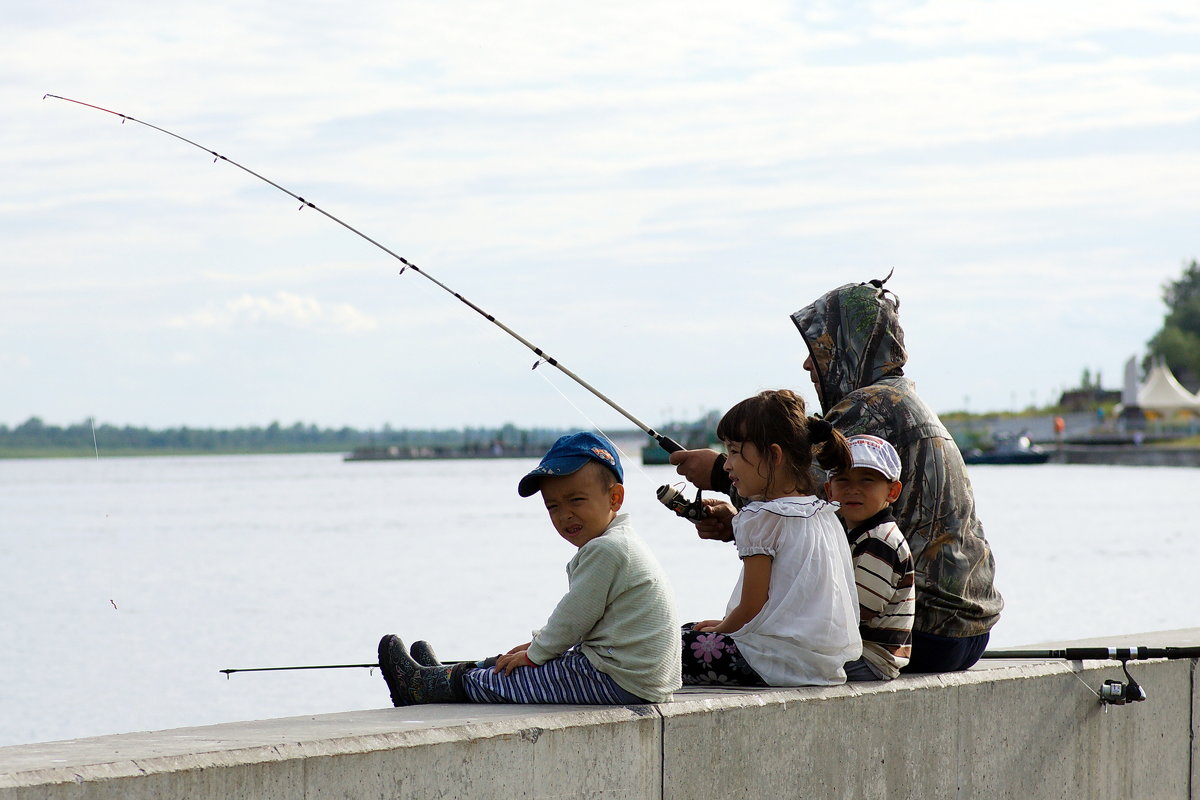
1099 653
665 442
1111 692
228 672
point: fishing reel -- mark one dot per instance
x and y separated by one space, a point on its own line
673 498
1116 693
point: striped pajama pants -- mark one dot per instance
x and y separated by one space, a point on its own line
568 679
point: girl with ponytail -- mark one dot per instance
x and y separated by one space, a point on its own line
793 617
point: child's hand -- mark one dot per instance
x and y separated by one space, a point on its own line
510 661
717 522
520 647
707 626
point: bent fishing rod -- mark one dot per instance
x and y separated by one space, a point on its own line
665 442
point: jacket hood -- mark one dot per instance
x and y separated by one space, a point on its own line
854 336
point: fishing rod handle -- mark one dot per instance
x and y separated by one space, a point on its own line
668 444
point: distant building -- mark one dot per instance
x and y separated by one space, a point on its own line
1087 399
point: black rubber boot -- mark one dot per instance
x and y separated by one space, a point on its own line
442 684
422 653
410 683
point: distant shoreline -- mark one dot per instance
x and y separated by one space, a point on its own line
1148 455
1085 440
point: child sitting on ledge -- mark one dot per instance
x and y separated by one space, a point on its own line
883 564
612 639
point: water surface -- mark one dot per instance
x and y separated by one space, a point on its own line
126 583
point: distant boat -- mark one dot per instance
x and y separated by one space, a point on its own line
416 453
692 435
1009 450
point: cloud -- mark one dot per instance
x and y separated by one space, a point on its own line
284 308
548 159
946 22
15 361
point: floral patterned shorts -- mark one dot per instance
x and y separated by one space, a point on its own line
712 659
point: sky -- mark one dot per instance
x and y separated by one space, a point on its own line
644 190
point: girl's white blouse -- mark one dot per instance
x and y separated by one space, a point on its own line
809 626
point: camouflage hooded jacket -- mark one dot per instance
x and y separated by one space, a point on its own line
857 346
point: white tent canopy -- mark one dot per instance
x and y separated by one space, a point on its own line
1162 393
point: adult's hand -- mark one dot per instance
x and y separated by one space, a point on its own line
717 522
695 465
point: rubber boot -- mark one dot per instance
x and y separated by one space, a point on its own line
410 683
423 654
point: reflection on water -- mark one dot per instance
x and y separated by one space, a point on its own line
127 583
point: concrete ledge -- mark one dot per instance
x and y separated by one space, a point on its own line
1126 455
1029 729
427 751
1023 731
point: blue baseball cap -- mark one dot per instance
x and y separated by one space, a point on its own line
566 457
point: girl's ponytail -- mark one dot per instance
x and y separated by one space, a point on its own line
819 431
830 447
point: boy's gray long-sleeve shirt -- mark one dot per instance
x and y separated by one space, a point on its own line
620 609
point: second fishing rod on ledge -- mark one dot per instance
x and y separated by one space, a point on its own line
1111 692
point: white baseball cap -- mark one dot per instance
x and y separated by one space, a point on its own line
875 453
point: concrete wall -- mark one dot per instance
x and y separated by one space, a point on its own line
1126 456
1007 729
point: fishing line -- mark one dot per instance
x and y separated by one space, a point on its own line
111 583
670 495
1086 685
625 457
668 444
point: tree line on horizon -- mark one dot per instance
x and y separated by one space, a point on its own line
1177 343
35 437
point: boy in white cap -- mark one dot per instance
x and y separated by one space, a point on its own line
614 636
883 563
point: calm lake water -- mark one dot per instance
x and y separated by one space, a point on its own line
127 583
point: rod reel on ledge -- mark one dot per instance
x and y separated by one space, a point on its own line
1116 693
671 496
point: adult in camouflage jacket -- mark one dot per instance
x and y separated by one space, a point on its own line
856 362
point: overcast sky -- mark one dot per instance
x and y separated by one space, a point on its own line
645 190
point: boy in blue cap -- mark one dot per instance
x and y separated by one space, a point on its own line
614 636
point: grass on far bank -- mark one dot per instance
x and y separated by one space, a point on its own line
128 452
1190 441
